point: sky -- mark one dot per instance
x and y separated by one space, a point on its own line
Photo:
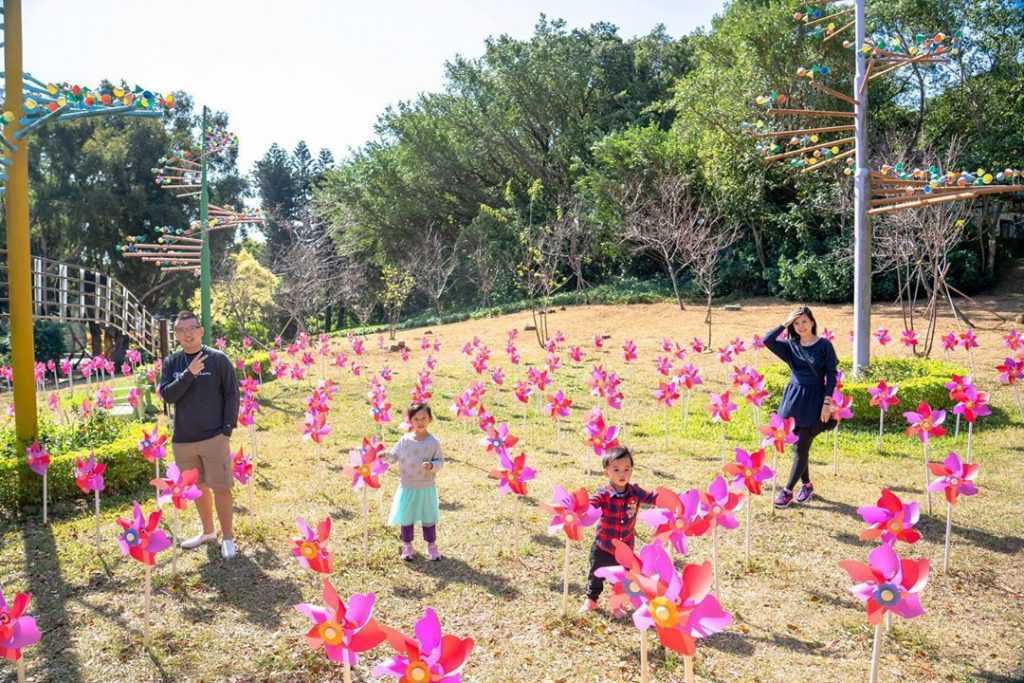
311 70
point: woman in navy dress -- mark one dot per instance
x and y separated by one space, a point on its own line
808 396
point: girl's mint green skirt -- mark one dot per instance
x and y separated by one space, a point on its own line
415 506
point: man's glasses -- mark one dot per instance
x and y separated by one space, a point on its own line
186 330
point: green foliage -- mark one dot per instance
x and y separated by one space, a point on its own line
49 337
918 380
810 277
242 302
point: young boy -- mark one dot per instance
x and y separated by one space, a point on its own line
619 503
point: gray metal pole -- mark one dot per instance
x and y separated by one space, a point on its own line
861 220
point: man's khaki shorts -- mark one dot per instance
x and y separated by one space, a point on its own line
211 457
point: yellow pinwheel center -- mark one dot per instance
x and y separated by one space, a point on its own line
569 517
896 525
417 671
663 612
680 524
364 471
634 587
955 481
308 550
331 633
748 472
717 509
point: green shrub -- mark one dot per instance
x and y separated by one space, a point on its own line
917 380
811 277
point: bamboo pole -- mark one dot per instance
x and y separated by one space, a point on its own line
811 112
831 160
867 77
839 30
688 666
645 673
834 93
913 60
830 16
943 199
565 578
961 192
797 152
875 649
949 526
801 131
148 601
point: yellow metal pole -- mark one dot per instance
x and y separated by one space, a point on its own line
19 264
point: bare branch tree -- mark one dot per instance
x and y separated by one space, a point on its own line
578 235
705 242
432 266
540 271
311 275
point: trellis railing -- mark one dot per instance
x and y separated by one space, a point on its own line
74 294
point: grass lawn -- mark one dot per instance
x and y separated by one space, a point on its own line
794 617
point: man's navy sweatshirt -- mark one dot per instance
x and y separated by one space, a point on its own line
205 405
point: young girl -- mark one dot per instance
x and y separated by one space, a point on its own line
808 396
419 457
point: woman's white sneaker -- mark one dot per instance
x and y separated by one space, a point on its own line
227 548
198 540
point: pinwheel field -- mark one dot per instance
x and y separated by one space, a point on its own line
500 582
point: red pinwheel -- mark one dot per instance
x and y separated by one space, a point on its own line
674 517
343 630
571 512
909 339
241 467
576 354
142 538
666 394
890 520
311 548
499 439
888 584
366 464
513 474
178 488
748 471
717 505
558 405
599 436
721 408
89 474
971 404
954 478
882 336
629 351
17 631
153 445
924 424
432 656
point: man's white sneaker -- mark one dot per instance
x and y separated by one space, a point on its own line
227 548
198 540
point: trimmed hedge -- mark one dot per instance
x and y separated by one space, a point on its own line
126 471
917 380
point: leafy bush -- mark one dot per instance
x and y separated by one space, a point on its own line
824 278
917 380
49 341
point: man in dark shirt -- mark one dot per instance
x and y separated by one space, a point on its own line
201 384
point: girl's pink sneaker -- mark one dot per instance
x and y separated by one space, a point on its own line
433 553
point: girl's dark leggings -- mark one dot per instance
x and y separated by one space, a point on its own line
802 452
429 533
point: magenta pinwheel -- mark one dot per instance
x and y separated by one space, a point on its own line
241 467
17 630
343 630
778 433
888 583
570 512
538 378
674 517
499 439
153 445
721 407
512 474
576 354
748 471
909 338
924 422
432 656
688 376
601 437
142 537
663 364
954 477
557 405
498 376
968 339
882 336
554 362
310 549
366 464
629 351
718 504
178 487
666 394
884 395
315 427
971 404
89 474
890 520
842 406
949 341
38 458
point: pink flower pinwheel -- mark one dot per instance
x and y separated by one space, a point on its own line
554 362
827 334
1010 372
721 408
38 458
949 341
757 343
778 433
133 397
598 341
674 517
310 549
571 512
925 422
241 467
523 391
718 503
884 395
432 656
737 346
89 474
343 630
972 404
629 351
968 339
499 439
498 376
600 436
956 386
16 630
513 474
142 538
725 355
358 347
697 345
177 488
366 464
315 427
53 401
380 411
152 446
663 364
955 477
909 338
538 378
888 583
666 394
105 398
688 376
891 520
842 406
1013 340
557 405
748 471
882 336
576 354
221 343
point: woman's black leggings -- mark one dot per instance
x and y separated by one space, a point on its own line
802 452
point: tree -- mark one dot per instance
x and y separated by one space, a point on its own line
397 285
432 265
243 298
311 276
706 240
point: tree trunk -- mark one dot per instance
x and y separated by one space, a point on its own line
707 316
675 288
327 319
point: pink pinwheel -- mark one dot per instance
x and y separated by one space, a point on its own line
553 362
367 464
842 406
909 338
827 334
513 473
956 386
576 354
311 548
464 405
498 376
1010 372
340 360
105 398
479 363
484 419
65 367
949 341
343 630
629 351
89 474
674 517
571 512
725 355
924 422
523 391
718 503
432 656
513 354
954 478
538 378
666 394
697 346
748 471
778 433
601 437
968 339
142 538
221 343
241 467
380 411
358 347
499 439
38 458
17 631
557 405
385 373
972 404
884 396
315 427
1013 340
688 376
721 408
888 583
882 336
891 520
126 369
177 488
403 353
737 346
612 394
53 401
598 341
663 365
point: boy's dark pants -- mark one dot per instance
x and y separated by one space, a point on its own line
598 558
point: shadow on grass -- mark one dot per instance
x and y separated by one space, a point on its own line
835 601
49 603
933 528
992 677
819 501
549 541
453 570
451 505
